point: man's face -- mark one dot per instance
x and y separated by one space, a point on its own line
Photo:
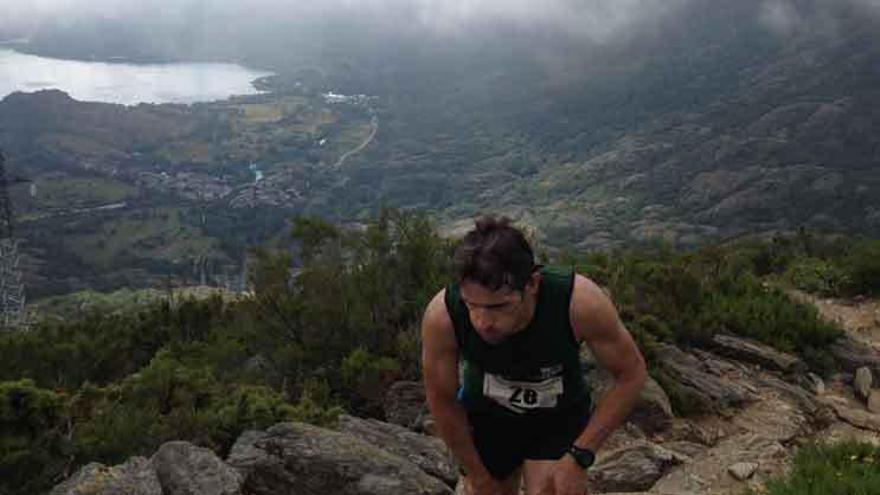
496 315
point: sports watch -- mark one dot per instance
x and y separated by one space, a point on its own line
583 457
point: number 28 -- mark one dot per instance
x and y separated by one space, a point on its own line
523 396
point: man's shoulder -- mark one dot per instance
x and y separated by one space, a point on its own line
591 306
436 313
586 291
438 332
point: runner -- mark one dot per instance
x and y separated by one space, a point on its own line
518 408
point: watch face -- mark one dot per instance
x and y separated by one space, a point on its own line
584 457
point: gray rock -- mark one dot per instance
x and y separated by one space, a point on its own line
185 469
631 469
820 415
135 477
743 470
863 382
702 379
858 418
653 411
428 453
874 401
813 383
405 405
852 354
753 352
308 460
686 449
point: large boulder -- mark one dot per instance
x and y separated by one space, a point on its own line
702 377
653 411
185 469
749 351
631 469
135 477
428 453
308 460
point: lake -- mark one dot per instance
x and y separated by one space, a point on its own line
125 83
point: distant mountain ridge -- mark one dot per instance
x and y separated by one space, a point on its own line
717 124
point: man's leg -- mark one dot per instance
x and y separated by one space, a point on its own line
536 475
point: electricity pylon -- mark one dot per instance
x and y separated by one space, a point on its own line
13 316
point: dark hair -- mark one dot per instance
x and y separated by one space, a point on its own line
494 254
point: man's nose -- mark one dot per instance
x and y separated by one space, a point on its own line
481 320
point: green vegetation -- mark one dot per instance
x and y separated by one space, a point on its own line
687 298
333 319
157 234
842 268
110 384
842 469
60 191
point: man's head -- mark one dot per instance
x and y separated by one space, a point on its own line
495 268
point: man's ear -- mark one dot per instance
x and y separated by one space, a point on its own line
534 282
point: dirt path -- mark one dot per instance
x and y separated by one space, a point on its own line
768 431
860 318
374 128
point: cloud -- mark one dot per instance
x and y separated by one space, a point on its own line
790 17
594 19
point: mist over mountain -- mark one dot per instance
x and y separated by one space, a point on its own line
595 123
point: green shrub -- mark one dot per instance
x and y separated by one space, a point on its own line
366 377
843 469
32 437
819 277
863 265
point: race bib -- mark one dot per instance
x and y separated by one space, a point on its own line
522 396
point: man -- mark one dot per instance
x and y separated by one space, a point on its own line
519 408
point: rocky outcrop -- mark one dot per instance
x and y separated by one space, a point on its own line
851 354
428 453
135 477
405 405
185 469
856 417
365 457
749 351
703 377
653 411
633 468
308 460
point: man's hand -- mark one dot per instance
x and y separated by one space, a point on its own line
483 485
566 478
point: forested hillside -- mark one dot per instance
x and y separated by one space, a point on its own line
746 121
104 383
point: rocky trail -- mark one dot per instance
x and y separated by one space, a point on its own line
765 403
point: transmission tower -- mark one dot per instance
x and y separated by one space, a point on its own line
13 316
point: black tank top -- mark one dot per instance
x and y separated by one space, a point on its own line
535 371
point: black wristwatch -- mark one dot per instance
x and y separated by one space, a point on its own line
584 457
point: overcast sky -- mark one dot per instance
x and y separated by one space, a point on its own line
595 20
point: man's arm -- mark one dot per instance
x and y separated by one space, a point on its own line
596 322
440 367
